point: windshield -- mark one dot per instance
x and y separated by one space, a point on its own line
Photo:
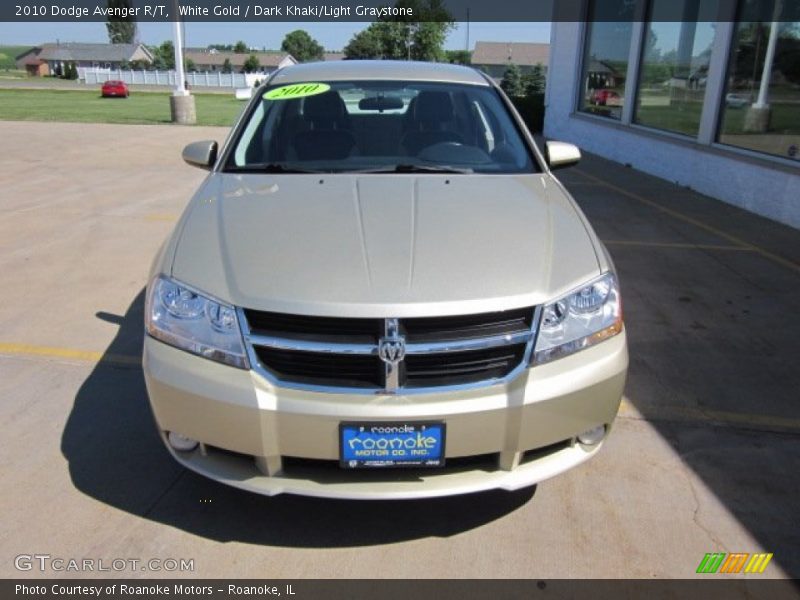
380 126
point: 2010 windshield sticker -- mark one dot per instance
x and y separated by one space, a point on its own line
296 90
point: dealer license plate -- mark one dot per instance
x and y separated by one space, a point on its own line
386 445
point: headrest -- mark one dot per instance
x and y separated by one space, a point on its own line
327 105
433 106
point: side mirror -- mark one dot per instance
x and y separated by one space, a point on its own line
561 154
200 154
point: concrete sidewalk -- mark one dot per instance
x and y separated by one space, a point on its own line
704 457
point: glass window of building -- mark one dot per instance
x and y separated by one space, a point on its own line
674 66
761 106
605 61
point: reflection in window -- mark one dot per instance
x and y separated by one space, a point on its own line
674 68
761 110
605 62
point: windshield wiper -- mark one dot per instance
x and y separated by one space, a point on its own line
409 168
274 168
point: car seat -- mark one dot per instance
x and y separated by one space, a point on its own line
327 136
432 122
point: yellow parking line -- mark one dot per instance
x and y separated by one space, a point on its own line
53 352
676 245
627 409
791 265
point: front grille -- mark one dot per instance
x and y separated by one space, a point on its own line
453 368
321 328
389 355
320 368
465 327
309 467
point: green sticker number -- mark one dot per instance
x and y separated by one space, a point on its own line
296 90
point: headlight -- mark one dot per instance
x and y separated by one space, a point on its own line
579 320
184 318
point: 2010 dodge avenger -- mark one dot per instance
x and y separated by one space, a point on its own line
381 291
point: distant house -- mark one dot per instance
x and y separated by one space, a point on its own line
602 74
493 58
214 60
47 59
33 65
328 56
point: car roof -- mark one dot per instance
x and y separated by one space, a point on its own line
396 70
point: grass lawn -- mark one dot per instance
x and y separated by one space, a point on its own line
89 107
12 74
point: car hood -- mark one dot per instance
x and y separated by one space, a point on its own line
382 245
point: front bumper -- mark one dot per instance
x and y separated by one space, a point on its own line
273 440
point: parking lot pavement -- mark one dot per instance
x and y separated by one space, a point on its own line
705 456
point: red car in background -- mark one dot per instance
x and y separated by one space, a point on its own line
605 97
115 89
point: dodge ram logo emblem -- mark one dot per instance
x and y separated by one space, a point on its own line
392 349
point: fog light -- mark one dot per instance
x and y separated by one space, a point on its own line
593 436
181 443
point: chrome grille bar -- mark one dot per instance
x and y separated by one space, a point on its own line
283 343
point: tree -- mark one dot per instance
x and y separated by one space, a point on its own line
364 44
302 46
70 71
395 37
164 56
458 57
512 82
427 41
251 65
533 83
190 66
240 47
121 30
427 32
227 67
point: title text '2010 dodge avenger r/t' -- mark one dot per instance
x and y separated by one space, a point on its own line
381 291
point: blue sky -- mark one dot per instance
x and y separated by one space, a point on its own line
333 36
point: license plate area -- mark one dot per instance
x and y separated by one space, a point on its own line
391 445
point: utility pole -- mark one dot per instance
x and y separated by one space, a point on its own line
467 46
181 103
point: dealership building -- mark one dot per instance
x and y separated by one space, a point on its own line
708 103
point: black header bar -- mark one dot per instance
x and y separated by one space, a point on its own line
408 10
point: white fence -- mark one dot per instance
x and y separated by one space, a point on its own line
216 79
